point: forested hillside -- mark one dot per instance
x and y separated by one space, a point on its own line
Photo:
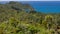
18 18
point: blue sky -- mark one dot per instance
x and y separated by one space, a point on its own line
29 0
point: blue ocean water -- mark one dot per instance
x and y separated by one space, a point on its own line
48 9
45 6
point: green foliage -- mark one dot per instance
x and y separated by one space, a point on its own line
18 18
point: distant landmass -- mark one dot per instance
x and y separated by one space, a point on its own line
43 6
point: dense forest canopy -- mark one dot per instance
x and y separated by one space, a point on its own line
18 18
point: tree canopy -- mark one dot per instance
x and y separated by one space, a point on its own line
19 18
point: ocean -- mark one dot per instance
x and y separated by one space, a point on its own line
45 6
